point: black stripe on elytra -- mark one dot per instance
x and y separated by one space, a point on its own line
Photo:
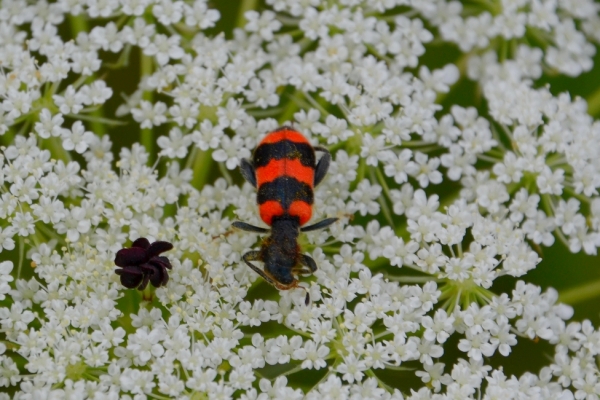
285 190
284 149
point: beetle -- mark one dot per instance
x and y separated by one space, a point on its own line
285 171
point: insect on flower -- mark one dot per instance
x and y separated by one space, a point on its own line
141 264
285 171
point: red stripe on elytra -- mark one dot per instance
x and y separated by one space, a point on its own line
270 209
286 134
285 167
302 210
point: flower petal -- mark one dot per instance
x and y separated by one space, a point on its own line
159 276
158 247
130 278
130 257
162 261
141 242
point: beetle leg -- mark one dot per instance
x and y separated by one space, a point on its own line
319 225
247 227
309 262
255 256
322 165
248 172
301 271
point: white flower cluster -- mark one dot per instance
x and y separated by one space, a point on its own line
523 170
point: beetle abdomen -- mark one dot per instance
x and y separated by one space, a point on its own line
285 170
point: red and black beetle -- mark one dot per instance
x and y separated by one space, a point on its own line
285 171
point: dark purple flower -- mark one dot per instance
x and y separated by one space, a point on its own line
141 264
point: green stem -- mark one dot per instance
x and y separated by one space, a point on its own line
90 377
50 233
56 150
581 293
157 396
593 101
123 60
80 81
259 113
362 167
94 119
290 109
313 102
331 369
246 5
191 158
397 367
383 183
147 134
225 173
297 368
414 279
580 196
382 384
148 296
492 160
547 204
8 138
202 168
21 256
384 206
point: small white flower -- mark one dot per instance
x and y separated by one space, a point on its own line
185 113
164 48
145 344
262 93
168 12
549 181
334 129
49 125
307 120
85 62
69 103
344 168
107 37
232 115
96 93
77 138
264 23
23 223
395 165
364 198
352 368
150 115
5 278
176 145
16 318
231 152
6 238
208 137
371 148
424 169
141 33
136 381
200 15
